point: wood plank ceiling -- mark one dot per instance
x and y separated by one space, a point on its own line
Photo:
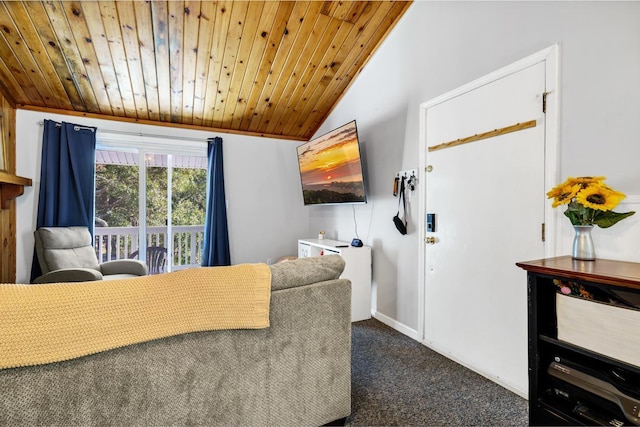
268 68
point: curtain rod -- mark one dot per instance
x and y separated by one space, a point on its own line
75 127
149 135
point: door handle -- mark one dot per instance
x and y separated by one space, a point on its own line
430 240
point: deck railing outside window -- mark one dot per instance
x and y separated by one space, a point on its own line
113 243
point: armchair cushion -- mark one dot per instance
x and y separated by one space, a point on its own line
70 275
65 247
132 267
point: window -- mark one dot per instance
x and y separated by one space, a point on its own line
152 195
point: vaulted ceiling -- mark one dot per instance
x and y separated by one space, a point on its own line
269 68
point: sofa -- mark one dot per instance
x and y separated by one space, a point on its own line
294 372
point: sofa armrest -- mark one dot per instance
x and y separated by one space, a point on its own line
304 271
69 275
124 266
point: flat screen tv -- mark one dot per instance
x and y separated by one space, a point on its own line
331 168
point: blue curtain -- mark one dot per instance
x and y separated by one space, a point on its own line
216 233
67 178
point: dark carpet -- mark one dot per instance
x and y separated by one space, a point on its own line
397 381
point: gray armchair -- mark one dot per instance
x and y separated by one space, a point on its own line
65 254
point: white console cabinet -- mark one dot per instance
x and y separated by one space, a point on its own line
357 270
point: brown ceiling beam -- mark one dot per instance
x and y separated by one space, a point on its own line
155 123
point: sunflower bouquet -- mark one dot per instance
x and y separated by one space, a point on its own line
589 201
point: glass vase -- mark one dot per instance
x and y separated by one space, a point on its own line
583 248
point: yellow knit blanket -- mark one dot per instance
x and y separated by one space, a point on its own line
54 322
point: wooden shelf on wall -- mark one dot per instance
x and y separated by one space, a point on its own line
11 186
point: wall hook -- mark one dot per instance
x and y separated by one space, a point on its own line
410 175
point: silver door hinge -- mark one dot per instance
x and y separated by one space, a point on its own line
543 232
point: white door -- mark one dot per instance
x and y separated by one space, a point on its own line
488 197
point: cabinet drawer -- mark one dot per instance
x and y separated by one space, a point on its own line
601 328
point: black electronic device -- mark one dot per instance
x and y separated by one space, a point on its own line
600 385
357 243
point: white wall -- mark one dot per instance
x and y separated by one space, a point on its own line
266 215
438 46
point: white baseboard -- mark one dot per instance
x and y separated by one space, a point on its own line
400 327
522 393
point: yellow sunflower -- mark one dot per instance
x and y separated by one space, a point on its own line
599 197
563 193
618 193
582 180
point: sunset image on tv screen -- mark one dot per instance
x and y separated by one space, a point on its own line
330 168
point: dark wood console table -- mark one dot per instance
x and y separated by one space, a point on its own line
551 400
